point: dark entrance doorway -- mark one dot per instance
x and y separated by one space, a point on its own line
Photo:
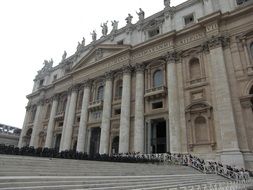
158 136
115 145
95 140
57 142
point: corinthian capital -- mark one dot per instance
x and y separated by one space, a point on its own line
139 67
218 41
109 75
87 83
172 57
127 69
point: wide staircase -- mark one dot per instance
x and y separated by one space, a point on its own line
22 172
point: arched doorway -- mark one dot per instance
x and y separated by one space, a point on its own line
115 145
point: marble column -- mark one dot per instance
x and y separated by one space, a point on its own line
23 131
36 125
125 111
51 122
139 110
230 147
66 111
106 116
70 119
173 103
84 118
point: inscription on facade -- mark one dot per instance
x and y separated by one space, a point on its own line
152 50
191 38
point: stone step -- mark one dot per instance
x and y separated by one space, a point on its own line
109 183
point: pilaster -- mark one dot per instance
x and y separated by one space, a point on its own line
230 147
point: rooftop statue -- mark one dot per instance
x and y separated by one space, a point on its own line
83 42
167 3
114 25
129 19
47 66
141 14
64 56
104 28
94 35
79 47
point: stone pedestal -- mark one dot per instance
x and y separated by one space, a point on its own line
84 119
125 112
173 104
51 123
139 110
106 116
36 125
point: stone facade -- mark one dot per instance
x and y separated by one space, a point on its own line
9 135
180 80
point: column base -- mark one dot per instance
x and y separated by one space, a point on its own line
233 158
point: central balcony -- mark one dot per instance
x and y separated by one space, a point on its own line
96 105
156 92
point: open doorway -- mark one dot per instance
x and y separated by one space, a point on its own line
158 136
95 140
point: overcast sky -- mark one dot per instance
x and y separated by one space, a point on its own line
34 30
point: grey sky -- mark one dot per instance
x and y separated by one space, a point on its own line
34 30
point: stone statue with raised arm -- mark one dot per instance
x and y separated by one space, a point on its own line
104 28
167 3
141 14
94 35
115 25
129 19
64 56
83 42
79 47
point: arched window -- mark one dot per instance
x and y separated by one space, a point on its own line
201 130
118 89
100 93
158 78
195 72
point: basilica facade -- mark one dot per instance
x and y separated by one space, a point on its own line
179 81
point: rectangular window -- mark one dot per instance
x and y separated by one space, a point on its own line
157 105
121 42
189 19
41 82
117 111
55 77
154 32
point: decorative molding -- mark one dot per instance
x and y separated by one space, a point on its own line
41 102
219 41
109 75
172 57
87 83
127 69
139 68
